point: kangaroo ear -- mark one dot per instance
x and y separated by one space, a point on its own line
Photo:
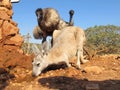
36 50
46 46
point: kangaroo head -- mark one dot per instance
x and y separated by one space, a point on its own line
37 67
38 61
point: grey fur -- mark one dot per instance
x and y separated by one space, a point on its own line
66 43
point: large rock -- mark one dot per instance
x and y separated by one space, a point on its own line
4 15
11 54
9 32
6 3
13 23
6 10
9 29
17 40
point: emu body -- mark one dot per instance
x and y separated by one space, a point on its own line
49 20
66 43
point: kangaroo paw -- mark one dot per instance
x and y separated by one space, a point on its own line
84 61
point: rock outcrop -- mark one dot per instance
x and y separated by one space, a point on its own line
9 32
11 54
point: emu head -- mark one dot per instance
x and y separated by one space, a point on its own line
39 14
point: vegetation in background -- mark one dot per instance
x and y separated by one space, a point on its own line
27 47
100 40
103 39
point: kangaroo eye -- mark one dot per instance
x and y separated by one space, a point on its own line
38 64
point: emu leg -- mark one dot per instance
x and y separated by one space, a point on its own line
44 39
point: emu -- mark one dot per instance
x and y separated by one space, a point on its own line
64 47
49 20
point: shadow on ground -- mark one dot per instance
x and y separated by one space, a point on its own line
68 83
5 76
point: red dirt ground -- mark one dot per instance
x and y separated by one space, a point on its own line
100 73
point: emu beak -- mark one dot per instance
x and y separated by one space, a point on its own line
38 16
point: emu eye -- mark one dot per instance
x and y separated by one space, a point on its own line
38 64
41 14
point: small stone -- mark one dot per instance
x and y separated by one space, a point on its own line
93 69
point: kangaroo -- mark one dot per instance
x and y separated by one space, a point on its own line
67 43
